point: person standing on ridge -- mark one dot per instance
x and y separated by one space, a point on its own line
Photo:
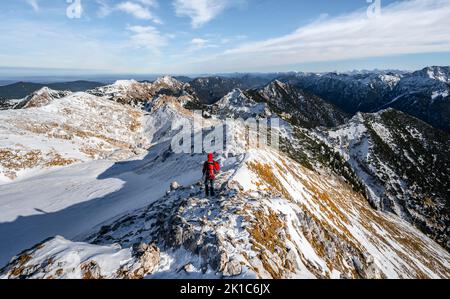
210 168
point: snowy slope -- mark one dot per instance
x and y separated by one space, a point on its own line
40 98
404 165
266 223
273 219
236 104
277 215
62 131
86 194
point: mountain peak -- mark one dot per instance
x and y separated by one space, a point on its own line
277 84
237 105
438 73
125 83
297 106
139 94
41 97
168 81
234 97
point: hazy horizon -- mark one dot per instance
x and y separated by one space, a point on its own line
58 75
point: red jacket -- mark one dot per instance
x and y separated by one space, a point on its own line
210 168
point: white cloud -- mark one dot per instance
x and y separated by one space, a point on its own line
34 4
75 50
210 41
139 10
202 11
147 37
136 51
407 27
105 9
150 3
199 42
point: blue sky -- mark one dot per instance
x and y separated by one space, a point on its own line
214 36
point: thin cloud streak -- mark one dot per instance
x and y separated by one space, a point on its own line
34 4
147 37
137 10
408 27
202 11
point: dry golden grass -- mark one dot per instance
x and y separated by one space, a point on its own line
334 207
37 128
39 101
15 160
135 120
266 238
87 269
90 151
18 269
266 174
57 160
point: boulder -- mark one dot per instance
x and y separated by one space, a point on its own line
147 260
232 268
174 186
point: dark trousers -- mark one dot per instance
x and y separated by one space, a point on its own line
209 187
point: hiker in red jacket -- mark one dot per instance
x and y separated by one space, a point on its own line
210 168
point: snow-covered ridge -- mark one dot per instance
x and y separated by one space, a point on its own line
40 98
168 81
139 94
124 83
390 152
274 217
299 107
438 73
269 221
53 128
83 261
78 127
236 104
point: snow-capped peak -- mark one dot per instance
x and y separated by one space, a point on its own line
391 80
41 97
125 83
439 73
237 105
141 94
167 80
236 97
277 84
43 90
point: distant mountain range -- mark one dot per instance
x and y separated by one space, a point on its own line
212 89
423 94
20 90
